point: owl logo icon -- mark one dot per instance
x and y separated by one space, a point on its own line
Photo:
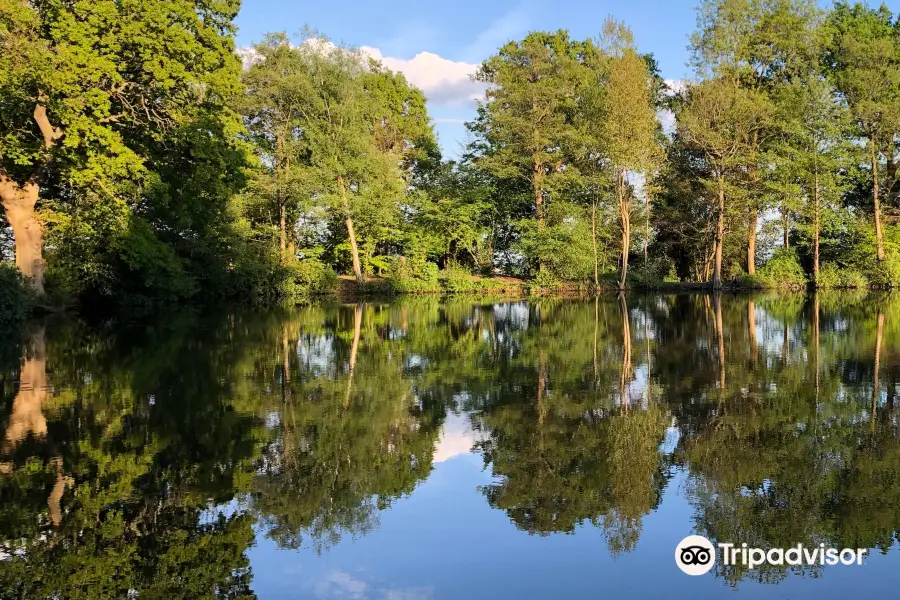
695 555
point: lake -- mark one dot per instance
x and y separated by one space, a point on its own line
456 448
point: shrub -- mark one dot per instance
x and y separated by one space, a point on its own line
15 299
308 277
456 279
832 276
885 273
783 270
546 280
413 276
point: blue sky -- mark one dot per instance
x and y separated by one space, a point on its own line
436 44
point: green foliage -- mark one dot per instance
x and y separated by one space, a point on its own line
307 277
885 273
562 246
413 276
783 270
833 276
15 299
456 279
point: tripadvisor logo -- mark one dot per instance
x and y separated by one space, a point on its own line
696 555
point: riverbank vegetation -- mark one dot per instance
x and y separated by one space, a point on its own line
144 160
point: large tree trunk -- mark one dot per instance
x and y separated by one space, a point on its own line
279 193
625 217
879 234
19 203
351 232
720 235
754 211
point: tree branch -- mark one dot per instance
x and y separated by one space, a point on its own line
51 134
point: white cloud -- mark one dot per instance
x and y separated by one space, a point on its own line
443 81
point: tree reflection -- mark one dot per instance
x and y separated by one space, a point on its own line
146 456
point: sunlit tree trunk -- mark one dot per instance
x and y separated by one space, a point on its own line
537 187
879 234
351 232
720 235
625 220
19 203
785 226
751 240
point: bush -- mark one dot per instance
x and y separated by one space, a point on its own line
885 273
783 270
457 280
308 277
413 276
832 276
15 299
546 280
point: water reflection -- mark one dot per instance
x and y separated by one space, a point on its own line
147 458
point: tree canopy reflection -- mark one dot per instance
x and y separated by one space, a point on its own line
148 456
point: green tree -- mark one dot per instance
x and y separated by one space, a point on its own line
862 61
629 125
273 106
721 120
84 108
525 123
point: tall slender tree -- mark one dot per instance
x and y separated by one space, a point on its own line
628 125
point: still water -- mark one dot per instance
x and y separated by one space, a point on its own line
429 449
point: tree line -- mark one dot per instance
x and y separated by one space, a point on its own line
140 160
